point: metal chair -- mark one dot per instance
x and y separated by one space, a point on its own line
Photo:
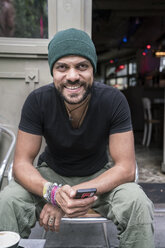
148 121
92 217
89 218
4 163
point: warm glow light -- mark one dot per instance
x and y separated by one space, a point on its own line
143 53
160 54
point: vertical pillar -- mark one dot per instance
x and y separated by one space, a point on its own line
163 163
70 14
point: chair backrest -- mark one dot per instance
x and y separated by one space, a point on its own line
147 108
8 153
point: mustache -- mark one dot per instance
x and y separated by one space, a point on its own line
76 82
72 82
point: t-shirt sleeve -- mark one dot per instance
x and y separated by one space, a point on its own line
120 115
31 120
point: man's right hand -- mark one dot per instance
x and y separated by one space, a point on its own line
50 217
65 198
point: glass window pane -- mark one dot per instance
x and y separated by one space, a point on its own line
132 68
132 81
111 82
122 72
110 71
162 64
24 18
121 83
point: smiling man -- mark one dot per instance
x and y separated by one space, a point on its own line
78 118
73 78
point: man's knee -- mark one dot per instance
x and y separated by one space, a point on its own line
17 210
131 204
14 199
6 199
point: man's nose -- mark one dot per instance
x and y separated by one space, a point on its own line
72 75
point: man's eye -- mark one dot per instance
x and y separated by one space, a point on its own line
82 67
61 67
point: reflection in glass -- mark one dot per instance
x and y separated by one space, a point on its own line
23 18
7 18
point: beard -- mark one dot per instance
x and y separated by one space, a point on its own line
87 91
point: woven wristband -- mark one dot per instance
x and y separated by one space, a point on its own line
53 195
49 192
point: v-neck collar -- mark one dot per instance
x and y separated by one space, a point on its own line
66 116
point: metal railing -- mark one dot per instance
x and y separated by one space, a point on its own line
8 153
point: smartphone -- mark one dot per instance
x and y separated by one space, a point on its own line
85 193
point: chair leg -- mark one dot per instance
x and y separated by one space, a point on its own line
106 235
149 134
44 234
144 134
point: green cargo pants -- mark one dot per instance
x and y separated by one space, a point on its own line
126 205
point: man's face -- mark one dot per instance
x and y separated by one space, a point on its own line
73 78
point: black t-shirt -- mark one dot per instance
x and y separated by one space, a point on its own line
69 151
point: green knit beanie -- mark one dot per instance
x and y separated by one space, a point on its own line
71 42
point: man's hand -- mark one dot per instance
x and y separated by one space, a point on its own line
73 207
50 217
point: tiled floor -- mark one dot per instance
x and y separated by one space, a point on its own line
149 161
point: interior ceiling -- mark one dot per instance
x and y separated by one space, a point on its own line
142 22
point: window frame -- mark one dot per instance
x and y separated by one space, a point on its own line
30 46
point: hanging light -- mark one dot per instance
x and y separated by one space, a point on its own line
119 68
148 46
125 39
111 61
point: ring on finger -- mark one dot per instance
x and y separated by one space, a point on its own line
51 220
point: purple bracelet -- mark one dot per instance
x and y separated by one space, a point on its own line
53 195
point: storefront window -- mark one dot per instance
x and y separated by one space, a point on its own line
162 64
132 68
24 18
121 76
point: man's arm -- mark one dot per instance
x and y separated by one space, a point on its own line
121 147
27 148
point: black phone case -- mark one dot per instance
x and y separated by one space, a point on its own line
85 193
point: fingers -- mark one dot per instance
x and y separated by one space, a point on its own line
65 198
50 217
63 194
78 211
58 221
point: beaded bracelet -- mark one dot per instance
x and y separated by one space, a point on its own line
49 192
